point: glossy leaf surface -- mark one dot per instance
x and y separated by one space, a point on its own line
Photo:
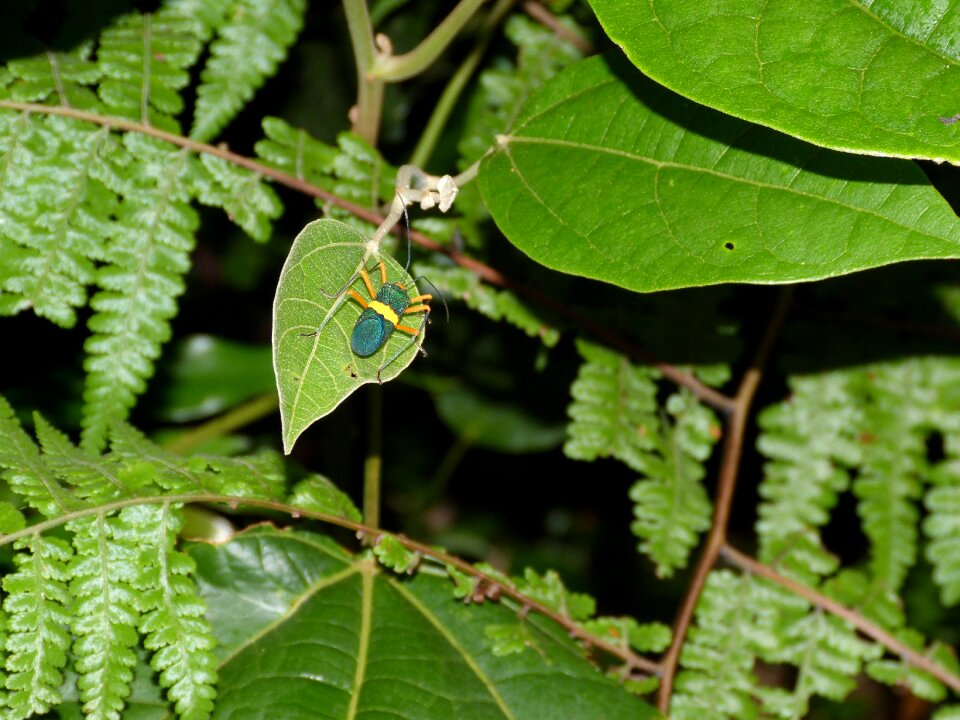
609 175
307 630
874 76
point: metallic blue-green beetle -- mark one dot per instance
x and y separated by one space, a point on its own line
381 314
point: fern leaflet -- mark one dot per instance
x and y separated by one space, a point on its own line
105 613
144 60
143 275
614 413
247 50
37 620
173 622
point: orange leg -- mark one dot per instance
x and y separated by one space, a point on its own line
383 275
420 299
406 329
356 296
416 309
366 281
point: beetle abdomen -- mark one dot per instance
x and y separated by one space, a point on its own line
370 333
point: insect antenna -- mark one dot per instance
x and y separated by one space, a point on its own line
439 294
406 270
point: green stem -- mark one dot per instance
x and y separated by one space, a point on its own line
373 465
393 68
240 416
451 93
365 115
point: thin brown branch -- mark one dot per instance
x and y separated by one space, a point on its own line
631 660
726 484
872 631
546 18
491 275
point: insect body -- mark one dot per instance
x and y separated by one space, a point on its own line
382 314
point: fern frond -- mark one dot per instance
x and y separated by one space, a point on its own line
354 170
173 473
614 408
456 282
62 78
810 440
248 49
56 219
208 14
828 654
671 505
36 607
105 614
942 527
260 475
247 200
295 151
144 59
716 680
173 622
894 459
920 683
359 174
94 478
142 278
614 413
25 471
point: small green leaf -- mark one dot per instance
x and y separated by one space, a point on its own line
318 493
316 369
610 176
509 638
623 631
874 77
395 556
549 589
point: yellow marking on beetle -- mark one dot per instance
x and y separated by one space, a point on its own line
385 311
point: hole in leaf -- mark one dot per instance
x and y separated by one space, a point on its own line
728 245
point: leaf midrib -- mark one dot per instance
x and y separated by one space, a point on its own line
670 165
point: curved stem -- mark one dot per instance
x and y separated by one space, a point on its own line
454 88
366 113
237 417
730 465
546 18
393 68
373 463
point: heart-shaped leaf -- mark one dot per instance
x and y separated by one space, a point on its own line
873 77
313 319
307 630
611 176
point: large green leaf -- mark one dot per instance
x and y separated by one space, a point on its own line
307 630
874 76
315 370
609 175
